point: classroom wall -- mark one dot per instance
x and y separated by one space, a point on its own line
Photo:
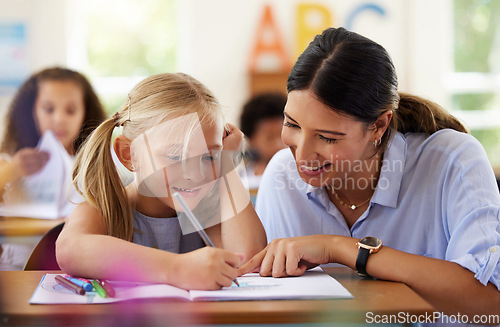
216 36
46 34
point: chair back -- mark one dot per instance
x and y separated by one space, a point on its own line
43 256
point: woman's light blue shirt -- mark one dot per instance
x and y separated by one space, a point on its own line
436 197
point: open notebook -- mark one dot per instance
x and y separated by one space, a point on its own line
314 284
46 194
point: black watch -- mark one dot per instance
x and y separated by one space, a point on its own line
366 246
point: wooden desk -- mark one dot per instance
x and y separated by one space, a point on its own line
25 231
379 297
17 226
24 234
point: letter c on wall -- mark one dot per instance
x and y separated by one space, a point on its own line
358 10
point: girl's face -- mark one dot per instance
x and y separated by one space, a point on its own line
167 162
327 147
60 108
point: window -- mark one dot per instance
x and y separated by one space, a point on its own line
118 43
475 83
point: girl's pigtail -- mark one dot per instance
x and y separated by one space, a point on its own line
96 178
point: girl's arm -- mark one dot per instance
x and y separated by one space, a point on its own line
449 287
83 249
241 234
7 174
241 230
244 233
25 162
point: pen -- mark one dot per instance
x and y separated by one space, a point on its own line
98 288
107 287
86 286
197 224
69 285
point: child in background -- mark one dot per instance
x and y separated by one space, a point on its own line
172 139
261 122
56 99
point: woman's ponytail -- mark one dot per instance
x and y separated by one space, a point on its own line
418 115
96 178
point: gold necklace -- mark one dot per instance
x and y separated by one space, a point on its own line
351 206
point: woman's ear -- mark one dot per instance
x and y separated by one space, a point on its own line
382 123
122 150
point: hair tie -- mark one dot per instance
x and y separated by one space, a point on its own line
128 105
116 118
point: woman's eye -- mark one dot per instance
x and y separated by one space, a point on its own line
288 124
326 139
48 110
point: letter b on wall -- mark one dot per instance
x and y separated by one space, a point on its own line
312 19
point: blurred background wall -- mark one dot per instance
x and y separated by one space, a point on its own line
446 50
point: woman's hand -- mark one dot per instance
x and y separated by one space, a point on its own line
291 256
28 161
207 268
232 139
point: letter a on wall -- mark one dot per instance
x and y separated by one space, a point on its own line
268 43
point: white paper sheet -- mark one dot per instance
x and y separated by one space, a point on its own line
314 284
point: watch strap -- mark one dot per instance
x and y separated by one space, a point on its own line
361 262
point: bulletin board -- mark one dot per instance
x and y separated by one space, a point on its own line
13 55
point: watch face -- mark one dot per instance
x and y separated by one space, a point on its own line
371 241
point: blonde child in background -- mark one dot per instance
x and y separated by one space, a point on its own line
56 99
172 139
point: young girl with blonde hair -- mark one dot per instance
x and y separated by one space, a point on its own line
172 139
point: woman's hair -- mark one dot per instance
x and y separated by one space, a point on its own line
355 76
20 128
158 98
261 107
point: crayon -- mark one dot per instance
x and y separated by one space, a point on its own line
86 286
98 288
69 285
107 287
80 278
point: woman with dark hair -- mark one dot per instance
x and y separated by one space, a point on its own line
386 183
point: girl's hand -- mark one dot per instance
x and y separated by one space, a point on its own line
28 161
207 268
290 256
232 139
